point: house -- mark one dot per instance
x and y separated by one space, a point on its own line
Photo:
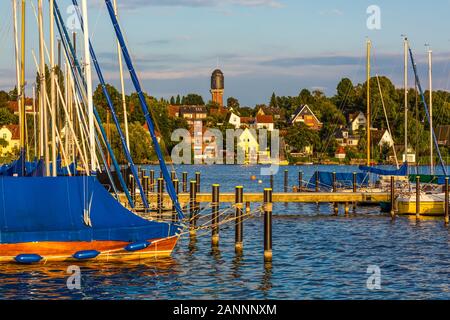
340 153
345 139
248 142
303 114
247 122
264 122
356 121
173 111
384 138
14 106
234 119
193 114
11 135
270 111
443 135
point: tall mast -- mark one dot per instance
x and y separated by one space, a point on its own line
87 59
16 49
122 83
406 46
43 87
369 44
23 122
430 78
53 87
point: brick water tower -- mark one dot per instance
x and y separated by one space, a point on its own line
217 87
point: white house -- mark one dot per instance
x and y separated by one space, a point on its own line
234 120
356 121
386 139
264 122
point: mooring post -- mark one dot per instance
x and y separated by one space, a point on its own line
185 176
161 175
239 203
317 181
271 181
173 175
152 180
197 180
417 197
193 207
335 205
215 214
286 180
132 187
355 186
267 225
160 197
446 218
176 186
392 197
248 207
146 182
300 181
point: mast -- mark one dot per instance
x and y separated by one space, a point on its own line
53 88
23 122
43 93
122 83
16 49
369 44
87 59
34 121
406 46
430 78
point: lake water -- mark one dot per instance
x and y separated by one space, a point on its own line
315 256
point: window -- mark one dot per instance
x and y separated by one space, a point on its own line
5 136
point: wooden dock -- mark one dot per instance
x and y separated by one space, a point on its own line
300 197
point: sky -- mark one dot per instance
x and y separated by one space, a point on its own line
262 46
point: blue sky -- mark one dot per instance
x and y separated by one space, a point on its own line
262 46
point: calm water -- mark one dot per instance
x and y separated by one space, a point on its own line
316 256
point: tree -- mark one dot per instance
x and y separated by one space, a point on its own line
7 117
172 101
178 101
233 103
300 136
4 99
193 99
273 101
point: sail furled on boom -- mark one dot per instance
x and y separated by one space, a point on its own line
145 109
402 171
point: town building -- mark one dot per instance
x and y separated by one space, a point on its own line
10 134
340 153
345 139
193 114
357 121
304 114
264 122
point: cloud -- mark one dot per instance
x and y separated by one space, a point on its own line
134 4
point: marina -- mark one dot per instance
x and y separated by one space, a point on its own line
120 194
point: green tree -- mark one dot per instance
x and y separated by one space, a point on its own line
193 99
233 103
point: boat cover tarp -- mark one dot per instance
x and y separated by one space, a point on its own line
342 178
52 209
402 171
426 178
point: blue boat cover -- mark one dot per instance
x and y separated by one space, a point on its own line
402 171
342 178
53 209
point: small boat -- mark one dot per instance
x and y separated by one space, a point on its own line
430 204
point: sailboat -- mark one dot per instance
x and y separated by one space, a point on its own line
48 217
432 203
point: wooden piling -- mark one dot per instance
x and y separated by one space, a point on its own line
417 197
355 186
193 207
446 217
271 181
215 214
173 175
132 187
146 186
392 197
176 186
239 204
160 198
346 209
267 225
286 180
152 180
317 181
335 205
185 176
300 181
197 180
